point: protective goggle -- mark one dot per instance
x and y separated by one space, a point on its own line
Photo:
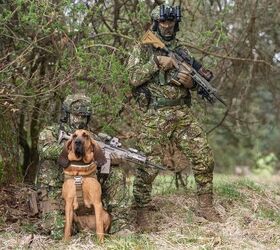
170 13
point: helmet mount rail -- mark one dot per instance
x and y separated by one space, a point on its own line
166 13
76 104
169 13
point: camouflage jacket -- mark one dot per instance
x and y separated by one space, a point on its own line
145 74
48 146
49 173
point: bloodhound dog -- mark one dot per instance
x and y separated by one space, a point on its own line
84 155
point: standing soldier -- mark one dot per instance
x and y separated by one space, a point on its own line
76 114
165 110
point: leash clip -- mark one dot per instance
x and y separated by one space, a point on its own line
78 180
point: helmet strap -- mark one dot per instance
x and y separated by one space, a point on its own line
88 119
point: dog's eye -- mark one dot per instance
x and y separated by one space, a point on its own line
85 135
74 135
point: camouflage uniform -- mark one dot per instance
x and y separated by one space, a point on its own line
50 179
168 119
164 124
49 182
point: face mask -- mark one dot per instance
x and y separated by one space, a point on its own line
78 121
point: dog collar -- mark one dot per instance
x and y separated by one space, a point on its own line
80 168
80 164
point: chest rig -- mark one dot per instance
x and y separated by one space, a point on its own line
159 91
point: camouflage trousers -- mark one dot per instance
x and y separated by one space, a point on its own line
115 197
176 126
49 185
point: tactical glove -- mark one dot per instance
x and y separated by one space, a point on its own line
165 62
185 79
115 159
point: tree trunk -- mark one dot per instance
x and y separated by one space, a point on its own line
9 153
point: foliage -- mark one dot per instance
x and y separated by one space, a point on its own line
265 165
52 48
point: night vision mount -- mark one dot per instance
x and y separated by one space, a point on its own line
170 13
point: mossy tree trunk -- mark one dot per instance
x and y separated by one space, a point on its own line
9 150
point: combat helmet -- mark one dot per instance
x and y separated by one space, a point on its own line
78 104
166 12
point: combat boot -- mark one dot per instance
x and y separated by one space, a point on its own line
206 209
145 221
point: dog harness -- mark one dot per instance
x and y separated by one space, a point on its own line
78 171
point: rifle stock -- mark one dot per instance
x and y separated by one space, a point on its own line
150 38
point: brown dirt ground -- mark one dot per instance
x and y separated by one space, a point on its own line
251 221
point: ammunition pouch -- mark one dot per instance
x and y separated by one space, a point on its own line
143 97
146 101
160 102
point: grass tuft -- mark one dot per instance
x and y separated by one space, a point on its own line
245 182
228 190
136 242
270 214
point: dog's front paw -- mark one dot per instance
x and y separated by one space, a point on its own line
101 239
66 238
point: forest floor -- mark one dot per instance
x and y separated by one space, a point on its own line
250 208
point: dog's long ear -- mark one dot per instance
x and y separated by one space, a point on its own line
98 153
68 145
63 157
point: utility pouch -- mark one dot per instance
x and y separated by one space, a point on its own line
165 102
143 97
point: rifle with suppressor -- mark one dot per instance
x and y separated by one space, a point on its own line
204 87
111 145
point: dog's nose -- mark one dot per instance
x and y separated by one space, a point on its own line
78 141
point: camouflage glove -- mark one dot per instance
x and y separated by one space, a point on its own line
115 159
164 62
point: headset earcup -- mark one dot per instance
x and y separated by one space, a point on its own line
155 26
88 119
64 115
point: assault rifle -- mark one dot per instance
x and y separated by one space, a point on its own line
111 145
182 60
